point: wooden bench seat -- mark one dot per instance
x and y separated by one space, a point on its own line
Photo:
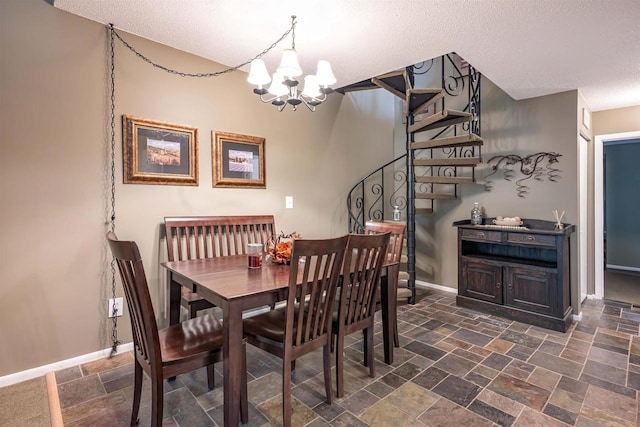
199 237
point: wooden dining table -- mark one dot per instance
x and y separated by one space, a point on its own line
228 283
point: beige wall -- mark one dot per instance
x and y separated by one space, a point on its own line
616 121
508 127
54 185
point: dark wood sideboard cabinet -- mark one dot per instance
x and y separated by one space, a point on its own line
522 275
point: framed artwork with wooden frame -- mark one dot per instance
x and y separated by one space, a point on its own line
238 160
156 152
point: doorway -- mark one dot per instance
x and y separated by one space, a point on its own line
626 272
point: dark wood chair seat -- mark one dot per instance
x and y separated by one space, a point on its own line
290 332
165 353
190 339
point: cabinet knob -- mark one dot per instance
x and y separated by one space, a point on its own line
510 286
531 238
498 285
481 234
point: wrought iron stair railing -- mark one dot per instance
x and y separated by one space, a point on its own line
459 139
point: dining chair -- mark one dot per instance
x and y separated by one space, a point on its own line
304 323
199 237
394 254
165 353
359 292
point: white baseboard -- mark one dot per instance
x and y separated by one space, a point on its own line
423 284
63 364
592 296
623 267
577 317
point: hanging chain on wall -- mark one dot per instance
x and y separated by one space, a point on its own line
183 74
114 327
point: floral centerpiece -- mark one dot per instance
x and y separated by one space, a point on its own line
280 248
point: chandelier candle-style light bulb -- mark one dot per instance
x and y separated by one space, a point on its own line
284 84
258 76
311 88
325 74
277 88
289 66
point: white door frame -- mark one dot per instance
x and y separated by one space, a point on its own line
583 164
598 178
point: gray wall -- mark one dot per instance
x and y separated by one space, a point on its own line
622 204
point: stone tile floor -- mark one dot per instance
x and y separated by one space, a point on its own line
455 367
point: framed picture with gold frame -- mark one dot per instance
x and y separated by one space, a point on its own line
156 152
238 160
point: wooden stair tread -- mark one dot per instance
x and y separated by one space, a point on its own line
453 141
444 179
436 196
396 82
363 85
403 293
403 258
442 119
419 100
455 161
403 275
424 211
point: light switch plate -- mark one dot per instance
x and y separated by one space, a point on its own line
118 304
288 202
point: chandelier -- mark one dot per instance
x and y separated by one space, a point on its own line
284 83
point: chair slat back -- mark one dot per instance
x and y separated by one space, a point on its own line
363 263
396 240
215 236
134 282
315 265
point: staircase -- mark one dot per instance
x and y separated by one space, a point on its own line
443 148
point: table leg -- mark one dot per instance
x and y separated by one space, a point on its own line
387 328
232 362
174 300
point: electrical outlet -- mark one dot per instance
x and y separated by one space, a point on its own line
288 202
118 305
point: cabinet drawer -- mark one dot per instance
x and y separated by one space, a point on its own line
490 236
532 239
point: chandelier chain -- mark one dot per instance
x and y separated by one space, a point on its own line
213 74
114 327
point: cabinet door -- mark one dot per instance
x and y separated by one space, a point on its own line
531 289
480 280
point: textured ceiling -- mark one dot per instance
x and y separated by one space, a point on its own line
527 47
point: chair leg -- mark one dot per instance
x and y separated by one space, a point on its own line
365 348
326 358
396 336
339 365
369 351
193 311
286 392
137 391
157 397
244 404
211 377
